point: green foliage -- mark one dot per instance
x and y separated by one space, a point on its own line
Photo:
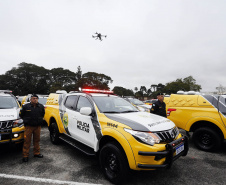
186 84
95 80
63 79
154 87
143 89
30 78
27 78
121 91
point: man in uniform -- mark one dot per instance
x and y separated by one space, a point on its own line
159 107
32 114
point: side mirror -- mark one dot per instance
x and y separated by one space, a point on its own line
86 111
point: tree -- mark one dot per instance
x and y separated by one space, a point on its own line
95 80
63 79
160 87
27 78
143 89
121 91
30 78
154 87
186 84
149 92
191 82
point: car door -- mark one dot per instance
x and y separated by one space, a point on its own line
83 129
69 120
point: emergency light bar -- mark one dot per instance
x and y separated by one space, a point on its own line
6 91
97 91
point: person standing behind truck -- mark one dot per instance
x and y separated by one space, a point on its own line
32 114
159 107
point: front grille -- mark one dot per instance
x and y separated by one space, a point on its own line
168 135
6 124
5 136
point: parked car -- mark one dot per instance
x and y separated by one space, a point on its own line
150 102
11 126
141 106
41 99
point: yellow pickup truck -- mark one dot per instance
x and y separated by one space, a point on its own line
204 115
99 123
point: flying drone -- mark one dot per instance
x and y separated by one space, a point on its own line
99 36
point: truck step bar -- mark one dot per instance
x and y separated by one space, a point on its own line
76 144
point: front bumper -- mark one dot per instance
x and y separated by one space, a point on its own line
169 154
7 136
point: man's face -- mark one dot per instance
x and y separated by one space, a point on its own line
34 100
160 98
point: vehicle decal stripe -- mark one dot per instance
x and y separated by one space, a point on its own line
95 121
133 124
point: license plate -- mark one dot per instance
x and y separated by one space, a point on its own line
179 149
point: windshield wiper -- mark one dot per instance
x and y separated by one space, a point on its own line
111 112
129 111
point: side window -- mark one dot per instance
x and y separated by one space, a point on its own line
83 102
70 102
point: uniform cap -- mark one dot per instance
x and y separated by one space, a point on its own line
34 95
160 94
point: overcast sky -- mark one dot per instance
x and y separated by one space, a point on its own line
148 41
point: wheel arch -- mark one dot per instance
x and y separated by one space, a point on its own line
52 120
200 124
111 135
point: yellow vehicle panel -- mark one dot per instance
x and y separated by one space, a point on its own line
199 112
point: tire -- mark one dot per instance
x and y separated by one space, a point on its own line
113 163
54 134
207 139
18 146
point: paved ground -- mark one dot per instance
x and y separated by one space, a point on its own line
63 164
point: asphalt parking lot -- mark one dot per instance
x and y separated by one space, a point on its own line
62 164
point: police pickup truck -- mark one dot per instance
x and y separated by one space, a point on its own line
99 123
11 126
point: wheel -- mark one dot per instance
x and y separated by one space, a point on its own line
113 163
54 134
207 139
18 146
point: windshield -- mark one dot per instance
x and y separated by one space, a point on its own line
8 102
136 102
111 104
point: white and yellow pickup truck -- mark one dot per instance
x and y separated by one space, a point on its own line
11 126
99 123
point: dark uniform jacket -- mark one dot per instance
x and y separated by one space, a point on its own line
159 108
32 116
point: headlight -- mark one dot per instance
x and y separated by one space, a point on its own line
144 137
18 123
